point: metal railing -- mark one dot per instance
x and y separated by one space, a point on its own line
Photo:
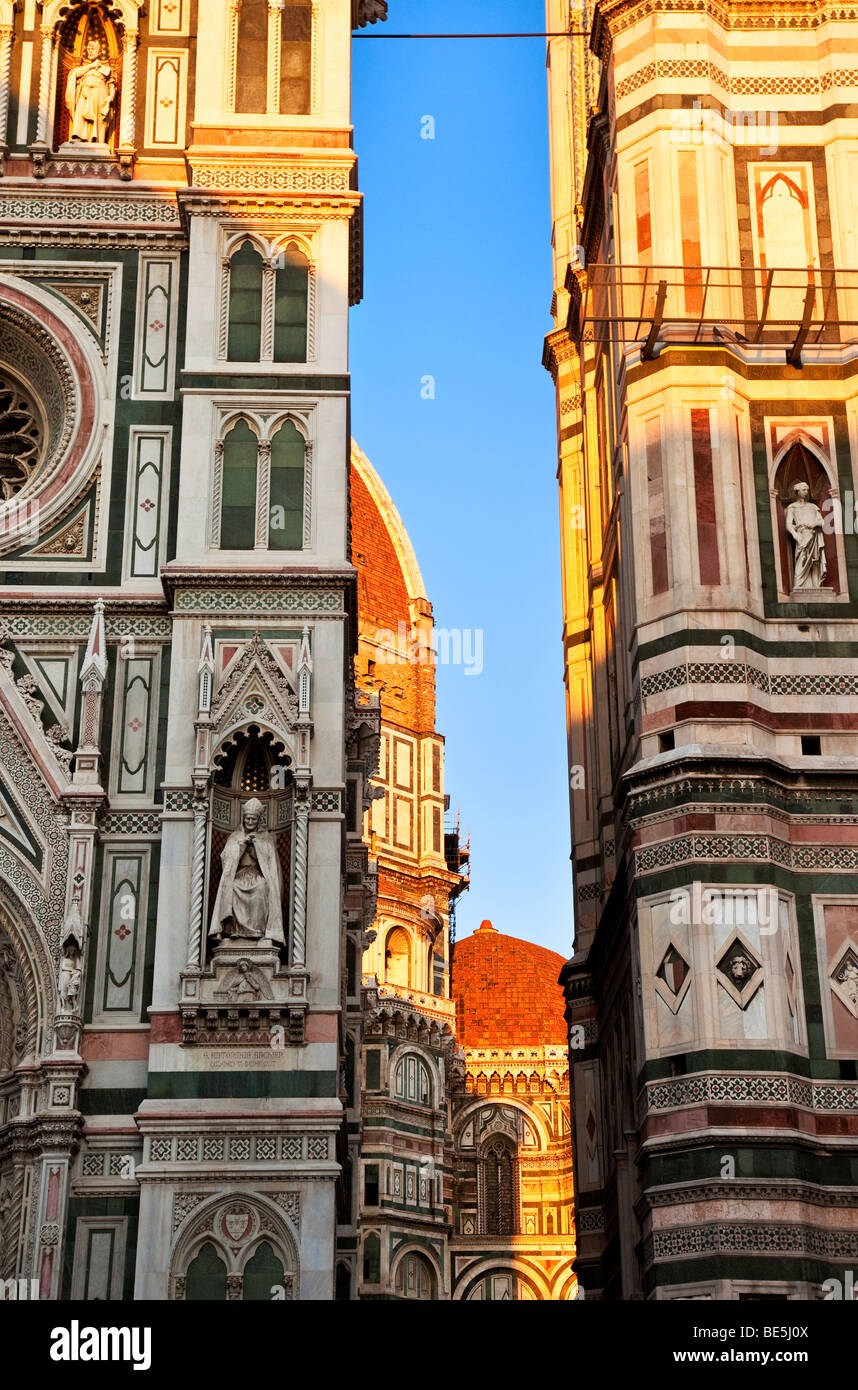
747 306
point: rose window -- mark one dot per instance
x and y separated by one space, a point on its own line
20 439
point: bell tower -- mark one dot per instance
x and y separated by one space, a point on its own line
704 360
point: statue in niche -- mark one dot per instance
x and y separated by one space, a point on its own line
250 894
804 523
90 97
70 974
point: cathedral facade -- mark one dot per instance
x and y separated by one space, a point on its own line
704 356
180 232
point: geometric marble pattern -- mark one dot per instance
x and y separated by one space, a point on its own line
752 1088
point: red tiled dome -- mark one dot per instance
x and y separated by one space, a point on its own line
382 592
506 991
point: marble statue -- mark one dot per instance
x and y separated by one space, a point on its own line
250 894
804 523
69 979
90 95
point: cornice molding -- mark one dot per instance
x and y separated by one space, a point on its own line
612 17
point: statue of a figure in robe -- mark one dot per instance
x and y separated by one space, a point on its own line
804 523
250 895
90 94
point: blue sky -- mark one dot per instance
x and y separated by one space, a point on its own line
458 287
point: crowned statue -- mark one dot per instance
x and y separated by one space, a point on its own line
804 522
250 895
90 96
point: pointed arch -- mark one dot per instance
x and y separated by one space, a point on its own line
238 501
235 1225
246 287
30 983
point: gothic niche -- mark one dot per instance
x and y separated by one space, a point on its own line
807 548
20 438
251 847
89 81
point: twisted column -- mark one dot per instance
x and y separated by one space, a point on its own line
198 874
5 81
263 494
129 90
299 899
45 76
275 20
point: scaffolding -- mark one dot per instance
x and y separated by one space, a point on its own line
749 308
457 853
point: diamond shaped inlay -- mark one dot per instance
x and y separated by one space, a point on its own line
844 977
673 970
740 970
673 977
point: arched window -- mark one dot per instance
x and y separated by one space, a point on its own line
273 57
206 1278
244 342
414 1278
251 59
291 280
397 958
411 1081
296 35
262 1274
238 489
286 494
497 1189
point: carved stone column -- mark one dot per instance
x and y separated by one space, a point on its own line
275 30
269 271
299 895
40 148
234 16
198 875
263 494
6 33
128 102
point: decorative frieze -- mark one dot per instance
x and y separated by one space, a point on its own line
71 209
752 1088
747 1237
739 673
754 849
272 175
258 600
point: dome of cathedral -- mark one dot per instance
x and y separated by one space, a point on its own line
388 573
506 991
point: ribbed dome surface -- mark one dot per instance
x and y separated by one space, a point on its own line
506 991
